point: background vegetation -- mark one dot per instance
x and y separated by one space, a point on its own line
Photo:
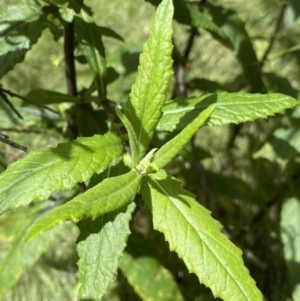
247 174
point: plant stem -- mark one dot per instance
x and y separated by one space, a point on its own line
70 70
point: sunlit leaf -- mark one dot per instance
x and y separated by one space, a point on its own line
133 139
197 239
106 236
43 172
230 108
169 150
109 195
150 88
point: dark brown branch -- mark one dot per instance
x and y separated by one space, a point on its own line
8 92
273 37
5 99
69 44
20 130
180 64
5 139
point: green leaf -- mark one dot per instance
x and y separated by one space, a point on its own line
196 237
20 254
21 27
106 236
149 91
90 39
149 278
169 150
51 97
230 108
133 140
228 21
108 32
109 195
290 236
44 172
188 14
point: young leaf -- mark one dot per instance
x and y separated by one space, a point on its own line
21 27
149 90
290 236
133 140
168 151
230 108
149 278
90 40
109 195
196 237
44 172
228 21
106 236
12 264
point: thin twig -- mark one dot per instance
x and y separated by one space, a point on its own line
5 99
20 130
273 37
27 100
5 139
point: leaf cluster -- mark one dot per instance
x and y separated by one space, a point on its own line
118 165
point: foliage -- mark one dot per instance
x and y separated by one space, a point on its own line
113 172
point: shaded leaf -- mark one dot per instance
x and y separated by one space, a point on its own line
234 188
230 108
229 22
108 32
205 85
88 120
149 278
44 172
20 28
106 236
20 254
107 196
149 91
197 238
51 97
169 150
90 38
